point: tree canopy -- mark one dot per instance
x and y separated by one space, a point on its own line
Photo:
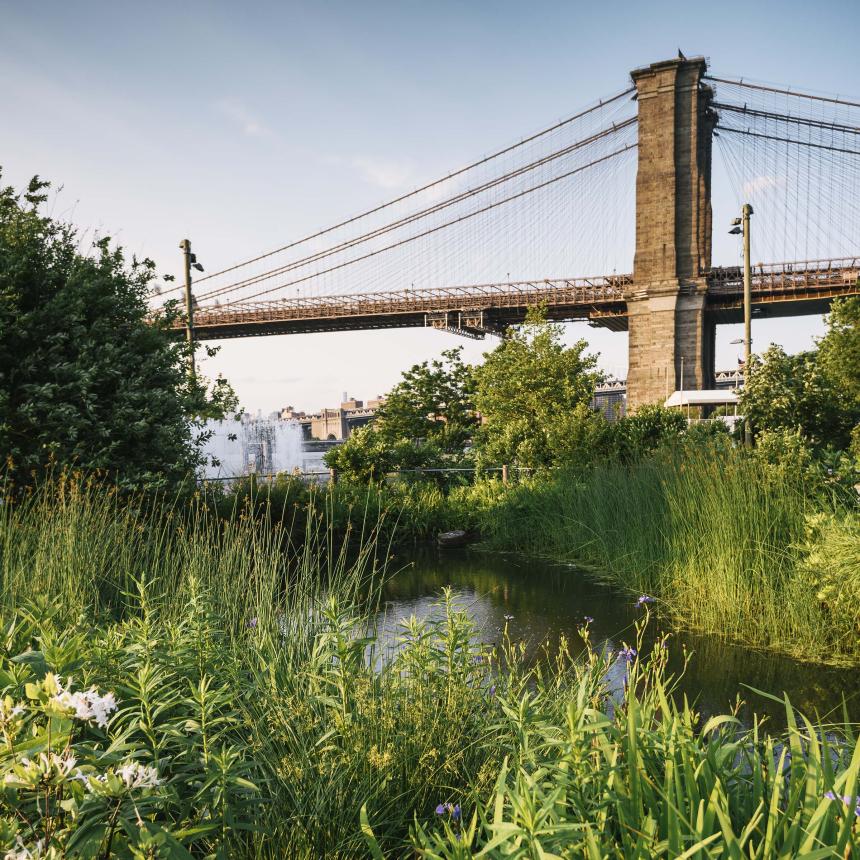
87 379
804 392
533 393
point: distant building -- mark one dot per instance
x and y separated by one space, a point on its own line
334 424
610 397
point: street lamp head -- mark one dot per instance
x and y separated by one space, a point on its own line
735 231
198 267
736 221
736 340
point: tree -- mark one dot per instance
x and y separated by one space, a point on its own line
426 420
839 349
434 401
86 378
533 393
796 392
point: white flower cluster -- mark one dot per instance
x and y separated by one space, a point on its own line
22 852
88 705
132 775
47 767
136 775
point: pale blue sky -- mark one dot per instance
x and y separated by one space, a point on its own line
246 125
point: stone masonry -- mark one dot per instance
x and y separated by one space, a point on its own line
669 329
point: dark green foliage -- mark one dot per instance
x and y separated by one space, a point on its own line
788 392
426 421
533 391
647 429
434 401
86 380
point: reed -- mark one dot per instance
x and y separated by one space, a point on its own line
264 716
714 534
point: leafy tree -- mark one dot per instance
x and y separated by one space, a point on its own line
434 401
648 428
86 378
839 349
368 455
533 392
796 392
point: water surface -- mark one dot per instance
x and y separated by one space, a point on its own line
548 600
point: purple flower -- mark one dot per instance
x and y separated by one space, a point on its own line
587 619
644 599
628 653
846 799
493 690
441 809
455 811
253 622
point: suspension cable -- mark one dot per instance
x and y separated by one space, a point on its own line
797 94
787 140
415 216
795 120
435 229
601 104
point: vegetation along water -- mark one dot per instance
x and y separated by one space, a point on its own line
278 670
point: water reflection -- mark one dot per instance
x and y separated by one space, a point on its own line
547 600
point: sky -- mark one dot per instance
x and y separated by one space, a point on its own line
245 125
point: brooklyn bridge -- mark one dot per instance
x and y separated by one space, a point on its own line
630 175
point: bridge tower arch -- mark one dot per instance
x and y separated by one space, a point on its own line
670 332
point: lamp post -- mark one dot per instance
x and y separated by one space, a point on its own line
742 226
190 261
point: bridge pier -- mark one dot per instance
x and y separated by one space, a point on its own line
666 302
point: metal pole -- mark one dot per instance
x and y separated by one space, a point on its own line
185 247
747 211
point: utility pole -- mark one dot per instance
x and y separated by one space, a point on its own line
742 226
185 247
745 218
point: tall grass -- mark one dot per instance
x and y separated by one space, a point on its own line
710 532
249 674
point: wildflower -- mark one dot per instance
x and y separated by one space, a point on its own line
252 623
644 599
87 705
628 653
440 809
455 811
493 690
136 775
509 617
587 619
846 799
22 852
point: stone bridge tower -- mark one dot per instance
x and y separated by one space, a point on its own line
668 323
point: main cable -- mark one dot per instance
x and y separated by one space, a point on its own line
601 104
415 216
438 227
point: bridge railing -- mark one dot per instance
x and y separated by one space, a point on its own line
794 276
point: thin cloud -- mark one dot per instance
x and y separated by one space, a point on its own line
241 117
762 183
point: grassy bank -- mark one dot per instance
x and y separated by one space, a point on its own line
175 684
728 544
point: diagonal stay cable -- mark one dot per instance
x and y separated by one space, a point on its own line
536 136
444 225
416 216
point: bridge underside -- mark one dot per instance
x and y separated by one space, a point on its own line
784 290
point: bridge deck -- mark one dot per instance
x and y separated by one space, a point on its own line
781 289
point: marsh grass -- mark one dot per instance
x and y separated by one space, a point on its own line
248 672
714 534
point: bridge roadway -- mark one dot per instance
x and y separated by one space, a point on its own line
781 289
